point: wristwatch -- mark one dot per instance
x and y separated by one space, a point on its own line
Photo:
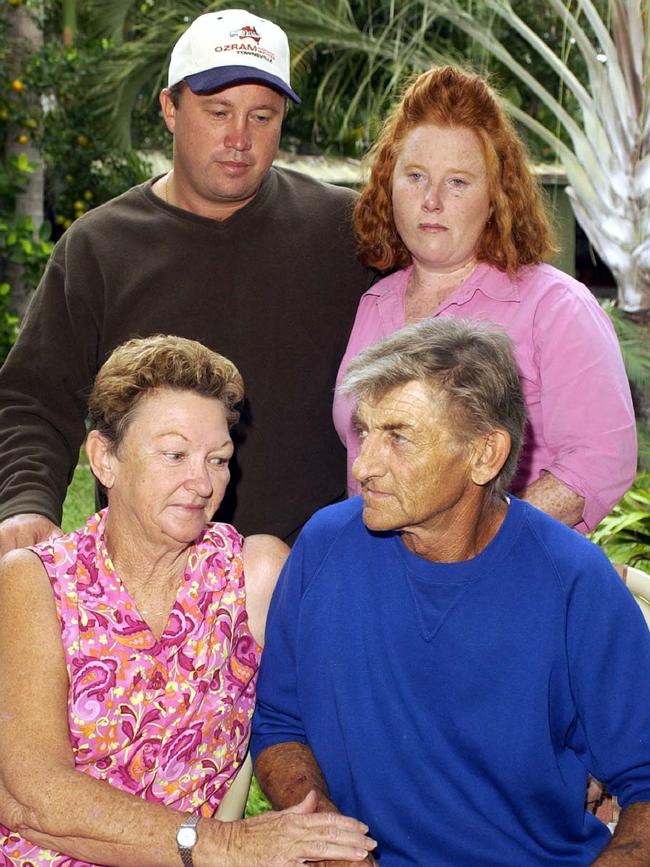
186 839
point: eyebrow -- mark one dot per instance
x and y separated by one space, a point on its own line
388 426
171 433
396 425
452 170
175 433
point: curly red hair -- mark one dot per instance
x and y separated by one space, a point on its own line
519 232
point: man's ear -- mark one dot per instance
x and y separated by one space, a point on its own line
168 109
101 458
490 454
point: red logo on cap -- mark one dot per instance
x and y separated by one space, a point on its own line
246 32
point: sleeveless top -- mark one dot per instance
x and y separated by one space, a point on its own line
165 719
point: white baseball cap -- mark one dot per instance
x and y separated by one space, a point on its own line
228 47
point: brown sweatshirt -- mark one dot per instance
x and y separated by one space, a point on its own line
274 288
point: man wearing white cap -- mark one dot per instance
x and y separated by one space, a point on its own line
233 69
256 262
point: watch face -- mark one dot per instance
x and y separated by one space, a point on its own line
186 837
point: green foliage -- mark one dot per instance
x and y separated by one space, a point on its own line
624 535
350 59
138 38
8 321
256 803
20 107
52 108
82 168
20 245
634 346
45 104
80 500
636 356
355 56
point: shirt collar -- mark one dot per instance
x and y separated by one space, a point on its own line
487 279
492 282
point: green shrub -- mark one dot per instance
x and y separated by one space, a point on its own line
21 246
8 322
624 534
45 105
256 803
80 500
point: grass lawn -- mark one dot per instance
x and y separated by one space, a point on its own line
79 504
80 501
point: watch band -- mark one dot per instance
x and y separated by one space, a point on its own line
186 839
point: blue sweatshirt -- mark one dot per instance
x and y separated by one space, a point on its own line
457 708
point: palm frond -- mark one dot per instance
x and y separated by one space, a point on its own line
634 346
624 534
108 17
136 62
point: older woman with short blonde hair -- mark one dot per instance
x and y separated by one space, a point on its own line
129 649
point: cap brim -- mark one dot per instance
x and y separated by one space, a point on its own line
224 76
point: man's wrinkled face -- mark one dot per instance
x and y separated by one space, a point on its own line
413 467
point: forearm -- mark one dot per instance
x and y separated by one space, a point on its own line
287 772
90 820
556 499
630 845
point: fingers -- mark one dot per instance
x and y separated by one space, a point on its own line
329 836
20 531
290 837
320 823
336 822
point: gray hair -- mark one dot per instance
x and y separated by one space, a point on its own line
471 363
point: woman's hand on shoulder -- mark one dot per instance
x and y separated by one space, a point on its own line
26 529
264 557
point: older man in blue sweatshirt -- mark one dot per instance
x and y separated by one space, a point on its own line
443 661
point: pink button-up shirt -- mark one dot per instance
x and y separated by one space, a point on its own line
581 420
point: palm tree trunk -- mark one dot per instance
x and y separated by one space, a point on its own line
69 16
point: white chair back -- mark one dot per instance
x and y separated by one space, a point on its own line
638 583
233 805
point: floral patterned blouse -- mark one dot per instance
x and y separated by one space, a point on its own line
166 719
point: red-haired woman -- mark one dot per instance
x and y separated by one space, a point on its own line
452 204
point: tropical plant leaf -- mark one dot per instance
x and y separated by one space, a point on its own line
624 534
634 346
